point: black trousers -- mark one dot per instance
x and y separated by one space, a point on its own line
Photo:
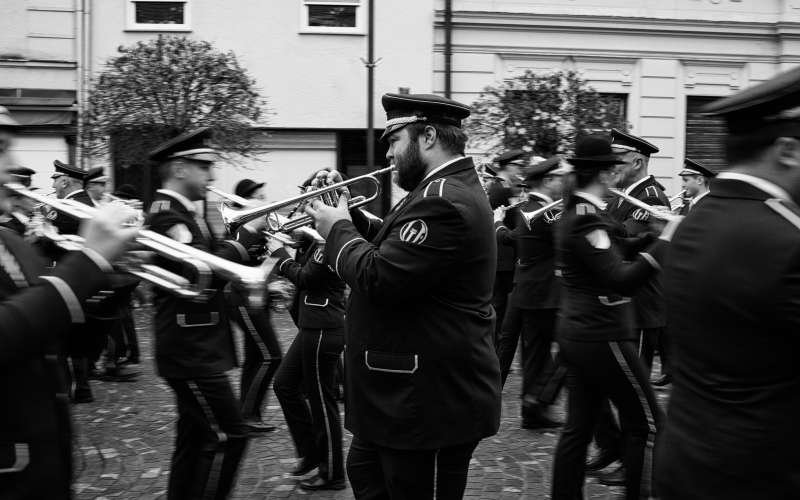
262 357
653 339
305 386
600 370
503 283
507 340
131 338
210 441
378 473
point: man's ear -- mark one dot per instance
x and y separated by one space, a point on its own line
178 169
429 137
788 152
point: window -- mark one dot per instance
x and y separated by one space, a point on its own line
158 15
705 135
344 17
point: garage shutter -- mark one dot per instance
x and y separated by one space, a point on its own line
705 135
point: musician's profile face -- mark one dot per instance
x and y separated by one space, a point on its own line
692 184
404 154
258 194
197 175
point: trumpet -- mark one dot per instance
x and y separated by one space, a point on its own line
251 279
662 213
545 211
678 197
234 218
273 220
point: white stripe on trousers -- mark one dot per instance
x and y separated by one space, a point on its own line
210 489
324 409
435 472
262 370
646 483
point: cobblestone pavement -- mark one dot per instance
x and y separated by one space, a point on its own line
124 441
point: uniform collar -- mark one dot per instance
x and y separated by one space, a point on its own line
757 182
542 196
73 193
629 189
594 200
186 202
442 167
697 198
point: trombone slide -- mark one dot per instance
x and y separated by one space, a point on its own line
654 211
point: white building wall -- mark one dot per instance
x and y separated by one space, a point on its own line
657 52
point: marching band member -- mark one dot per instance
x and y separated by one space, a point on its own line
595 331
306 382
262 352
193 343
733 289
501 189
36 311
694 180
20 209
421 376
535 294
94 183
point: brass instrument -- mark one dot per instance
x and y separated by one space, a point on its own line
251 279
274 220
545 211
678 197
234 219
662 213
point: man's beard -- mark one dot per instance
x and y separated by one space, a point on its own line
410 167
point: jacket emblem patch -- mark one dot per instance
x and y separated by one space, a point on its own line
319 255
415 231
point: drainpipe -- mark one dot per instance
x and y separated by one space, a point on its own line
79 63
448 47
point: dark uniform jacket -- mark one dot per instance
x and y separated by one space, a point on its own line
500 195
34 315
732 283
597 281
193 338
535 283
649 301
319 300
421 371
15 222
63 222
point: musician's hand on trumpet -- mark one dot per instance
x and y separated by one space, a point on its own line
500 213
325 216
107 232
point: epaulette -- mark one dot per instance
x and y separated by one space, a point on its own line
435 188
585 209
651 191
159 206
788 211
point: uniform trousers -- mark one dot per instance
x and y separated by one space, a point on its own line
210 441
305 386
600 370
262 357
380 473
542 377
650 340
503 283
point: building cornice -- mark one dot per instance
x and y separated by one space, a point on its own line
9 62
527 52
505 21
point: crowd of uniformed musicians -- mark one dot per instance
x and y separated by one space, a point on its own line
592 280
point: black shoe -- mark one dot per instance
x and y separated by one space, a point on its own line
615 477
319 483
540 422
258 427
601 461
119 374
304 468
83 398
663 380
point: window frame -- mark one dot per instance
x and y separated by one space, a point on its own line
361 18
132 25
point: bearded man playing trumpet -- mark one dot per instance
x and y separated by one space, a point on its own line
35 435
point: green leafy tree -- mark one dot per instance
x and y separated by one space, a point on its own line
540 114
158 88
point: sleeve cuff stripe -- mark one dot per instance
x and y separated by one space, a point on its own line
241 249
339 254
651 260
70 299
280 267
